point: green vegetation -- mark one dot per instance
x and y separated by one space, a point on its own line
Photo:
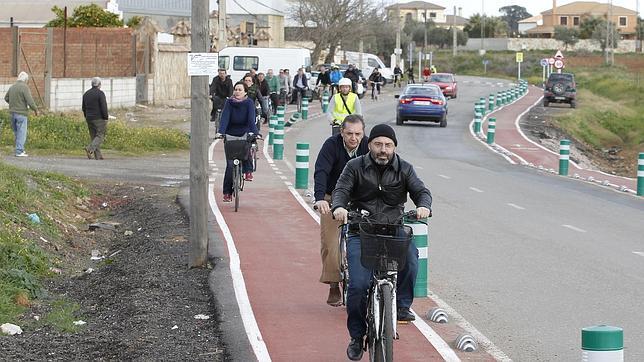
90 15
67 134
62 316
23 263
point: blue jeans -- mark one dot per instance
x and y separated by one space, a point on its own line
360 278
247 166
19 127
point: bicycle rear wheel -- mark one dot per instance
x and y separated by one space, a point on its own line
344 269
236 184
383 345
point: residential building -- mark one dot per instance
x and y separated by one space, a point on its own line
421 10
571 15
530 23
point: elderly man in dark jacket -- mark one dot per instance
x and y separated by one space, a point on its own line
221 88
378 182
95 112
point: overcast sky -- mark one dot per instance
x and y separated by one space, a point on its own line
492 7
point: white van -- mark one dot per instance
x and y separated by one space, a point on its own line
239 60
369 62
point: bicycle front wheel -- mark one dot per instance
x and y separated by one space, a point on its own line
384 344
344 269
236 184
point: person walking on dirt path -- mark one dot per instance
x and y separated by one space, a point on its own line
377 182
95 112
221 88
20 102
333 156
237 119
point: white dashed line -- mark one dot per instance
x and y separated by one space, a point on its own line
640 253
516 206
445 177
283 177
475 189
278 172
574 228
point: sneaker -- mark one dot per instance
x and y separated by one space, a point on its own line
90 154
228 198
334 299
405 315
248 176
22 154
354 350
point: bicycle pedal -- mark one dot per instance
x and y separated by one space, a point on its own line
403 322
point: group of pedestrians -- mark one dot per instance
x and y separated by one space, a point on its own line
94 106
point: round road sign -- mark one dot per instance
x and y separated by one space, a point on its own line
559 64
551 61
544 62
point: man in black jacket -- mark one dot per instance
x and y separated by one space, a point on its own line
352 73
221 88
95 112
335 153
378 182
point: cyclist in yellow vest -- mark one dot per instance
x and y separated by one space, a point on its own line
343 103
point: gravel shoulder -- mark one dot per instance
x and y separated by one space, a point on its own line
139 303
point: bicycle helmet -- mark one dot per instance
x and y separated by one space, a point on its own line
344 81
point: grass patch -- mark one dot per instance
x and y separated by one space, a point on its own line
23 263
68 134
62 316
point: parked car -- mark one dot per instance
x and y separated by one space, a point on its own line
421 102
560 88
446 82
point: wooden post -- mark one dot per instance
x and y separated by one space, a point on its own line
199 105
48 66
133 55
146 66
15 58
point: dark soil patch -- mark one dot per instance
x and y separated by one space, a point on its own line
133 299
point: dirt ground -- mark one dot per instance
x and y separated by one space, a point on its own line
140 301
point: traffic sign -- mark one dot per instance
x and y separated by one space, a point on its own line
519 56
559 55
544 62
551 61
559 64
398 51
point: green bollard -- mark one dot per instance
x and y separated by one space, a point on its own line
477 123
305 108
499 100
302 166
325 101
280 113
602 344
421 240
482 101
278 141
272 122
490 103
491 130
640 175
564 157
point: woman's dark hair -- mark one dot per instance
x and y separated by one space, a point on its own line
242 83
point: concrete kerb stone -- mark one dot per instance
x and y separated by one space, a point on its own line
220 283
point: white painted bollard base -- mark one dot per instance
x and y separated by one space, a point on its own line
602 356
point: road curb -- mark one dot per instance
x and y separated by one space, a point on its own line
232 332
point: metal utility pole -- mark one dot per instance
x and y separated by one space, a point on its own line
454 33
482 24
398 24
221 25
199 105
425 43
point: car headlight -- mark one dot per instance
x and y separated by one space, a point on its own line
448 88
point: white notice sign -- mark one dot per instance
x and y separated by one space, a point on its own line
203 63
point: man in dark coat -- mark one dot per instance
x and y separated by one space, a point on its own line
221 88
95 112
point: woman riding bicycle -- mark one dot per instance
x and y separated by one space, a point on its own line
378 182
237 119
343 104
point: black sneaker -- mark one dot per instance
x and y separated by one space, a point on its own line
405 315
354 350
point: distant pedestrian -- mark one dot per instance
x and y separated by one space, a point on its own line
410 76
95 112
20 101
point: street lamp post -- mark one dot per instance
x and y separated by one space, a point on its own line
482 26
425 43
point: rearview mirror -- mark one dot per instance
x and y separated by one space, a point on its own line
396 96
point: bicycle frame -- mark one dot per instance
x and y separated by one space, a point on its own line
374 301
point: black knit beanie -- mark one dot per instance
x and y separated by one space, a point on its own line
383 130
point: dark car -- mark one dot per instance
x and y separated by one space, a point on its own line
421 102
560 88
446 82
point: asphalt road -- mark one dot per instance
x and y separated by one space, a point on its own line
527 258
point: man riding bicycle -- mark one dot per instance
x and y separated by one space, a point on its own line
335 153
335 77
221 88
377 182
343 103
274 88
398 74
323 82
300 85
376 80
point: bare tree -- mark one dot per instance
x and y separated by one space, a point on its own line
327 23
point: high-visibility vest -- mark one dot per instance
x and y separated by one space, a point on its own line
340 111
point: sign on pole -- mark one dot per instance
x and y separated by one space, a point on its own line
559 55
544 62
519 57
203 63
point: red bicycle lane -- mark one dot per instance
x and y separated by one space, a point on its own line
278 245
509 136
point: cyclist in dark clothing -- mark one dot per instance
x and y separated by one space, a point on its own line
221 88
410 76
353 75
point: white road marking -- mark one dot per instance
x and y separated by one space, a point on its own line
475 189
419 167
574 228
516 206
278 172
640 253
445 177
284 177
